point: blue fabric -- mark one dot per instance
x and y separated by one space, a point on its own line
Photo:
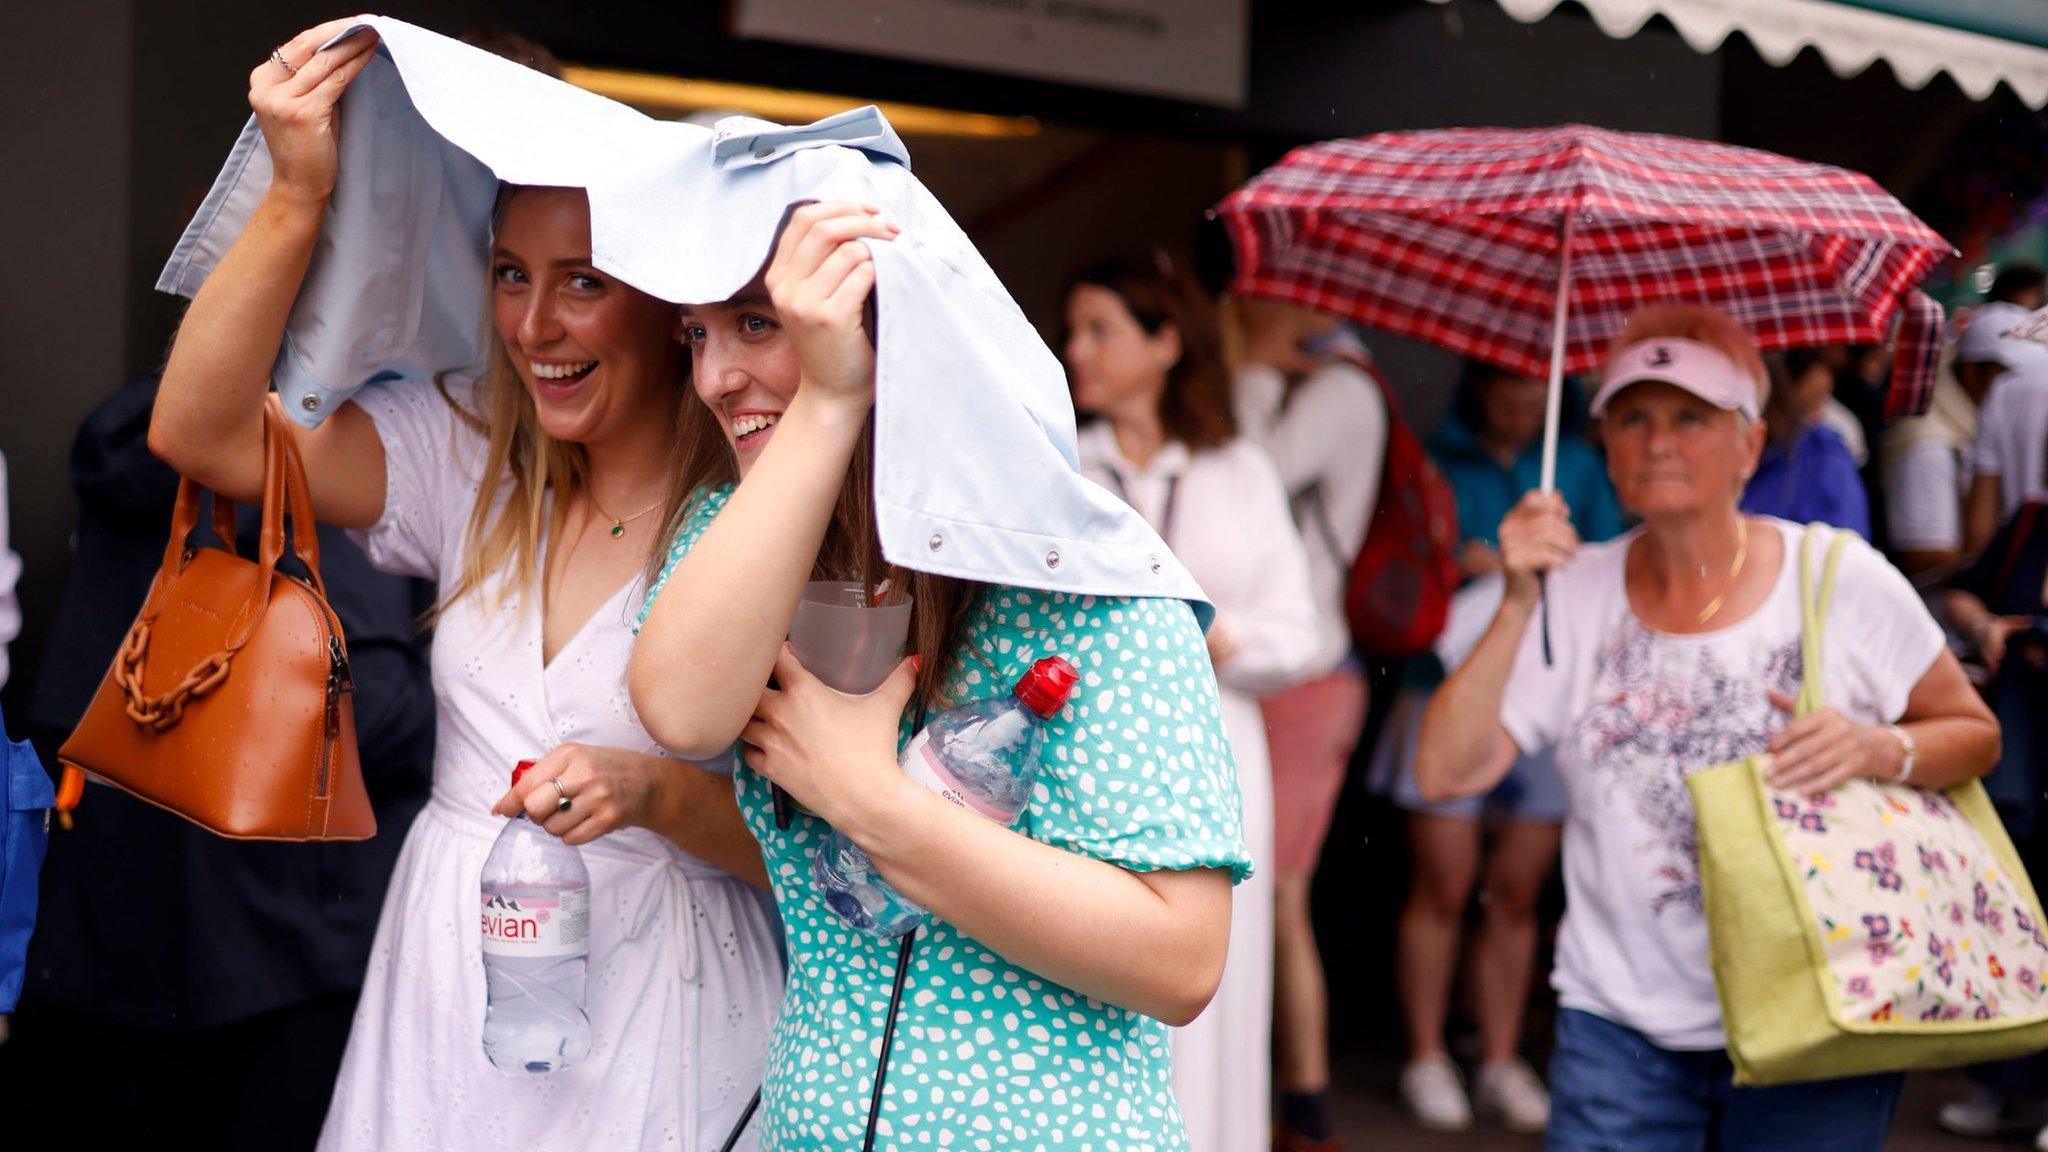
398 285
1611 1090
1532 792
1486 491
1812 480
24 834
2008 577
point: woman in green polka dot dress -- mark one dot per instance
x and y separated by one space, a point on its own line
1057 952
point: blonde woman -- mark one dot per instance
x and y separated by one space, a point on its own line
534 496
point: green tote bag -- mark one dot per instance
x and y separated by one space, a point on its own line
1880 928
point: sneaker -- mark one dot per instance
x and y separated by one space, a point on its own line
1436 1094
1985 1113
1514 1094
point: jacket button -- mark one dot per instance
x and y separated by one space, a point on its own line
938 541
1052 559
763 153
1156 565
310 403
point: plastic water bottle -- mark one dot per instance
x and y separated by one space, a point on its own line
536 922
982 756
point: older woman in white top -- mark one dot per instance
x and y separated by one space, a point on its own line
1144 356
1675 648
531 497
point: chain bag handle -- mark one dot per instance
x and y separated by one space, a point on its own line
284 484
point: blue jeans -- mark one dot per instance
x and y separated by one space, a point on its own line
1611 1090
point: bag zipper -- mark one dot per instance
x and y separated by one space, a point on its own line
339 680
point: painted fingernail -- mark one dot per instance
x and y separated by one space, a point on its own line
916 662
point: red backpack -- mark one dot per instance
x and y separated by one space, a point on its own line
1399 592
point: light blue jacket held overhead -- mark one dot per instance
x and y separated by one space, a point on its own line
977 475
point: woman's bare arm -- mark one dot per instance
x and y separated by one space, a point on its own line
1067 917
208 422
712 636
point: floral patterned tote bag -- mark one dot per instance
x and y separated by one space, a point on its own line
1880 928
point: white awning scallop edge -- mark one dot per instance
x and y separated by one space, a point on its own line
1849 39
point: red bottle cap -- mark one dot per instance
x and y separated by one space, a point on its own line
519 770
1046 687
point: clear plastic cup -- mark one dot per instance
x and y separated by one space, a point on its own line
848 643
843 640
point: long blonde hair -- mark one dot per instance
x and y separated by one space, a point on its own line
526 463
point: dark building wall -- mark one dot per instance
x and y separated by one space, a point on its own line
64 129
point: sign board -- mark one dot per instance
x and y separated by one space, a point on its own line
1183 49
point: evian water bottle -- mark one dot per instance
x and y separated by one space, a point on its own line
536 921
982 756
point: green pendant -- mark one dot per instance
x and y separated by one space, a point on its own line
618 529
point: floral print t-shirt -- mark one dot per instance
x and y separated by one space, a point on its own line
1631 712
1136 772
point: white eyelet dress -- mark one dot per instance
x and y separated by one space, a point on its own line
685 977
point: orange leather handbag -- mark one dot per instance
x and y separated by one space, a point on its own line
230 701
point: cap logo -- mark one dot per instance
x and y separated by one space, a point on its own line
1697 368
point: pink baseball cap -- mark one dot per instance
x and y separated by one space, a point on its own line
1681 363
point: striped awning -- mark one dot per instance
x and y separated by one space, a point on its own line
1978 43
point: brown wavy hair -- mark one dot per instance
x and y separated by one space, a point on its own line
1195 408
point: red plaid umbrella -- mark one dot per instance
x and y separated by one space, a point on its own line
1531 249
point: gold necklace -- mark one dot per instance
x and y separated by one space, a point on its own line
1734 570
619 524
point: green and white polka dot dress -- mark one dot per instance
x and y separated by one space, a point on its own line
987 1055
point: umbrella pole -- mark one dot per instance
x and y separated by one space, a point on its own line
1554 402
1553 411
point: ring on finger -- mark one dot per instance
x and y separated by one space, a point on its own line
562 801
277 58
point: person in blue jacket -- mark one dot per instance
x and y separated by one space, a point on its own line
1808 473
1491 450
